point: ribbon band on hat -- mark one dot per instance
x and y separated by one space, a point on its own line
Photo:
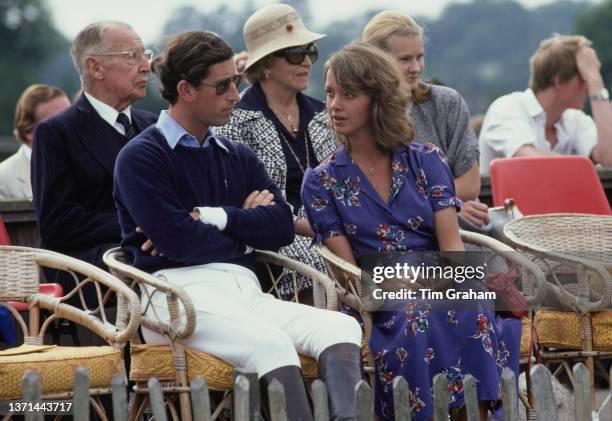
271 26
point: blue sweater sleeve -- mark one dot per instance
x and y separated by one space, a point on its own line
264 227
145 189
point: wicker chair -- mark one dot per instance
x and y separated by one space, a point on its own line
347 278
176 365
19 277
575 251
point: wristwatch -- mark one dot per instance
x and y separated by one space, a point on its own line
602 95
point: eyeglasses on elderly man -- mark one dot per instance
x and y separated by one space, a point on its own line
132 56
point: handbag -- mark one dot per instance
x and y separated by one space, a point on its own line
502 284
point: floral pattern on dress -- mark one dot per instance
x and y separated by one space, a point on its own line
421 340
401 355
351 229
417 316
502 356
318 203
421 182
397 179
392 238
429 147
385 376
415 222
346 192
483 331
454 376
430 354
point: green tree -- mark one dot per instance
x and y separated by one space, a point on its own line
595 24
29 44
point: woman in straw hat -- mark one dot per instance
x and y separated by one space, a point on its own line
287 129
381 193
439 113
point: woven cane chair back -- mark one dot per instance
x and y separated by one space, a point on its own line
19 269
176 364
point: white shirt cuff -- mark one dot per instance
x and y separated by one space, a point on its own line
213 216
249 250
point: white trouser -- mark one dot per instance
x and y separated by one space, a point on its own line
247 328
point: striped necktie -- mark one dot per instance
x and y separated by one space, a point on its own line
125 122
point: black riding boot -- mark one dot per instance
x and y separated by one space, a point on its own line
290 377
340 369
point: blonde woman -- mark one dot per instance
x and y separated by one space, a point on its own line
381 193
285 128
439 113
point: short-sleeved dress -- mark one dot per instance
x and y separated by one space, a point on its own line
419 342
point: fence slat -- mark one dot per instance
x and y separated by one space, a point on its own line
365 401
278 401
80 401
200 400
30 389
157 399
440 398
319 400
510 397
543 393
254 404
401 399
582 391
241 398
120 403
471 398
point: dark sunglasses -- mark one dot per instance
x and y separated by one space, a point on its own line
296 55
223 86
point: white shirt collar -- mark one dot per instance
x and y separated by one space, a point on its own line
108 113
533 106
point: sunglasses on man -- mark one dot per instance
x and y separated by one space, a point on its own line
296 55
223 86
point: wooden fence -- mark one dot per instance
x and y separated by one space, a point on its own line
540 376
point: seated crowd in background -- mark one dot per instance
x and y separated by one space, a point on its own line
36 103
547 118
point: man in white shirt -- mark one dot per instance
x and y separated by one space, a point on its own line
547 118
37 103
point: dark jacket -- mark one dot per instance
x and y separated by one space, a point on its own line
73 161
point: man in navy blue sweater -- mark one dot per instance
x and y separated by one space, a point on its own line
205 203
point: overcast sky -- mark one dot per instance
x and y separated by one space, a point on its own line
148 16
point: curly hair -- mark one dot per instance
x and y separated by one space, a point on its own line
189 56
363 68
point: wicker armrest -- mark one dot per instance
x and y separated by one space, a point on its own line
346 277
182 323
535 287
303 269
20 263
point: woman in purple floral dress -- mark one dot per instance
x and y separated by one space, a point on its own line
381 193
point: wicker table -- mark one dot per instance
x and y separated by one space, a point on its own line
578 247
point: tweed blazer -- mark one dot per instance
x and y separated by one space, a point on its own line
259 133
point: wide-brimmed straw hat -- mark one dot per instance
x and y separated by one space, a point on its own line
273 28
